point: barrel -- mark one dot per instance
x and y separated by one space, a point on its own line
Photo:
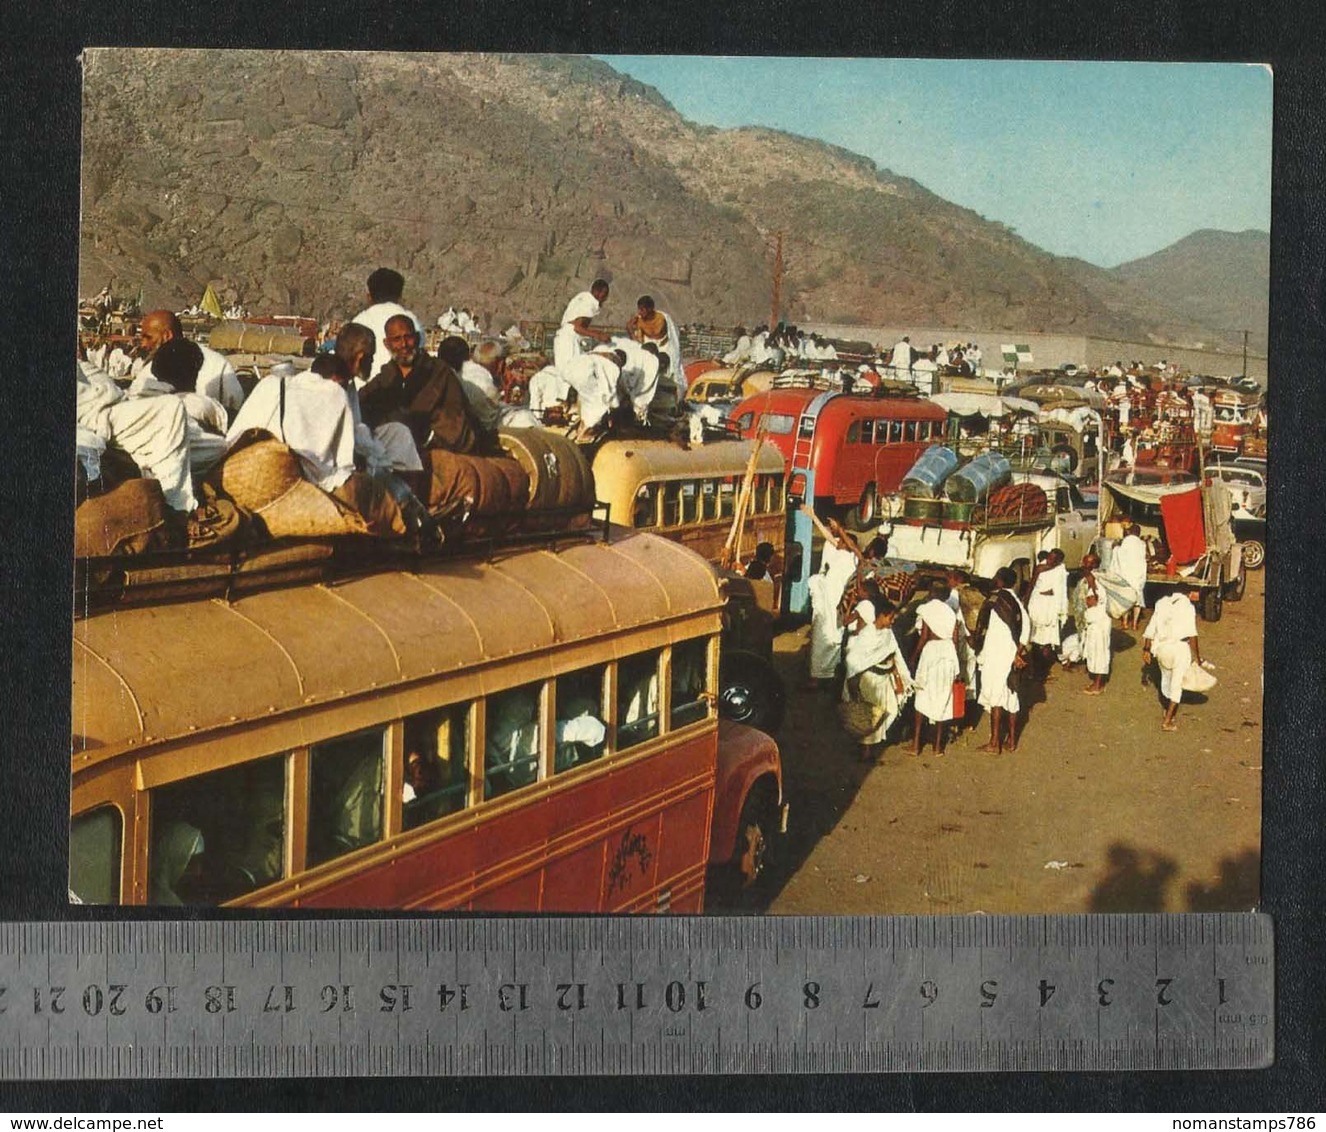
929 472
973 482
559 475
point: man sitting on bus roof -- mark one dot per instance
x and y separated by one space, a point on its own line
385 288
310 413
216 376
649 324
594 378
481 378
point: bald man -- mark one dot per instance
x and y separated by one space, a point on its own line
216 379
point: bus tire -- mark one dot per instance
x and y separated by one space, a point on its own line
866 512
1254 554
1234 590
1212 604
735 885
750 691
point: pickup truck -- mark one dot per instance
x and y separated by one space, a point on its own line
982 545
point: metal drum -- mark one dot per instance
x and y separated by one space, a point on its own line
973 482
914 507
928 474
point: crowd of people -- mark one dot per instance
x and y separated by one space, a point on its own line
363 417
966 649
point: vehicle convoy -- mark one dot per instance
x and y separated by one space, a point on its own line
694 496
975 518
844 452
522 720
1189 532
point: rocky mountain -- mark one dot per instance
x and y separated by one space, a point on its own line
505 183
1215 279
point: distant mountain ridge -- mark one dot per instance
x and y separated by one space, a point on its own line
505 183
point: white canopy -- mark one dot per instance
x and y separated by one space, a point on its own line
982 404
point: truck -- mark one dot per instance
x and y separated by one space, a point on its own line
939 535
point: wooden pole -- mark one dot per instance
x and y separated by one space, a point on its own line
778 284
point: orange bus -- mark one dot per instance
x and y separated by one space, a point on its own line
535 732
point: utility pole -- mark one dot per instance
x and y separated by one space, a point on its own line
1245 351
778 280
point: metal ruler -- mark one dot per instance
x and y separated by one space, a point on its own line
613 996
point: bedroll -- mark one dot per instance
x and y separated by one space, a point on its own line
559 476
484 485
132 518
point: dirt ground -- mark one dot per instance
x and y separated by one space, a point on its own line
1097 811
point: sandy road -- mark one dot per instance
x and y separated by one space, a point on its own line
1098 810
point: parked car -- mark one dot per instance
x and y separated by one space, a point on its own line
1250 530
1247 487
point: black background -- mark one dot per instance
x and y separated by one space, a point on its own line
39 125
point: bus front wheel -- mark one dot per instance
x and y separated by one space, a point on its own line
750 691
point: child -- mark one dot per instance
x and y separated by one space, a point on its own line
1096 644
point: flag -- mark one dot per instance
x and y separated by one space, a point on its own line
210 303
1016 355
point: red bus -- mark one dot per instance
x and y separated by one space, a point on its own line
532 732
843 450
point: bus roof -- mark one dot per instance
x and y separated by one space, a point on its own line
795 400
635 462
157 673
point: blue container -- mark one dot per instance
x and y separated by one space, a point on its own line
973 482
926 479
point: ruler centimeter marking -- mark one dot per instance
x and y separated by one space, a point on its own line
266 998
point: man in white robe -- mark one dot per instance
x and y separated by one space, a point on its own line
216 376
936 666
838 562
741 351
385 288
876 670
1171 637
1129 562
152 430
594 378
174 372
576 324
639 378
902 358
310 413
481 379
1003 631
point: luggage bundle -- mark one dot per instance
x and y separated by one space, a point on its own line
266 480
558 474
479 485
1015 502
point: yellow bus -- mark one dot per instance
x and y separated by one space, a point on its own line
690 495
533 732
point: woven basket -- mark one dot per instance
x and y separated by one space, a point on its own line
859 718
265 478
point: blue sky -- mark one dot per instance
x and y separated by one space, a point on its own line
1105 161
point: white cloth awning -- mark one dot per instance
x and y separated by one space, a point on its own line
982 404
1150 493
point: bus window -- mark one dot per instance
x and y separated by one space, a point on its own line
637 699
807 429
511 755
436 765
690 671
690 501
671 504
895 432
781 424
868 432
646 506
219 835
909 432
777 495
709 499
345 795
94 855
744 421
581 734
727 498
